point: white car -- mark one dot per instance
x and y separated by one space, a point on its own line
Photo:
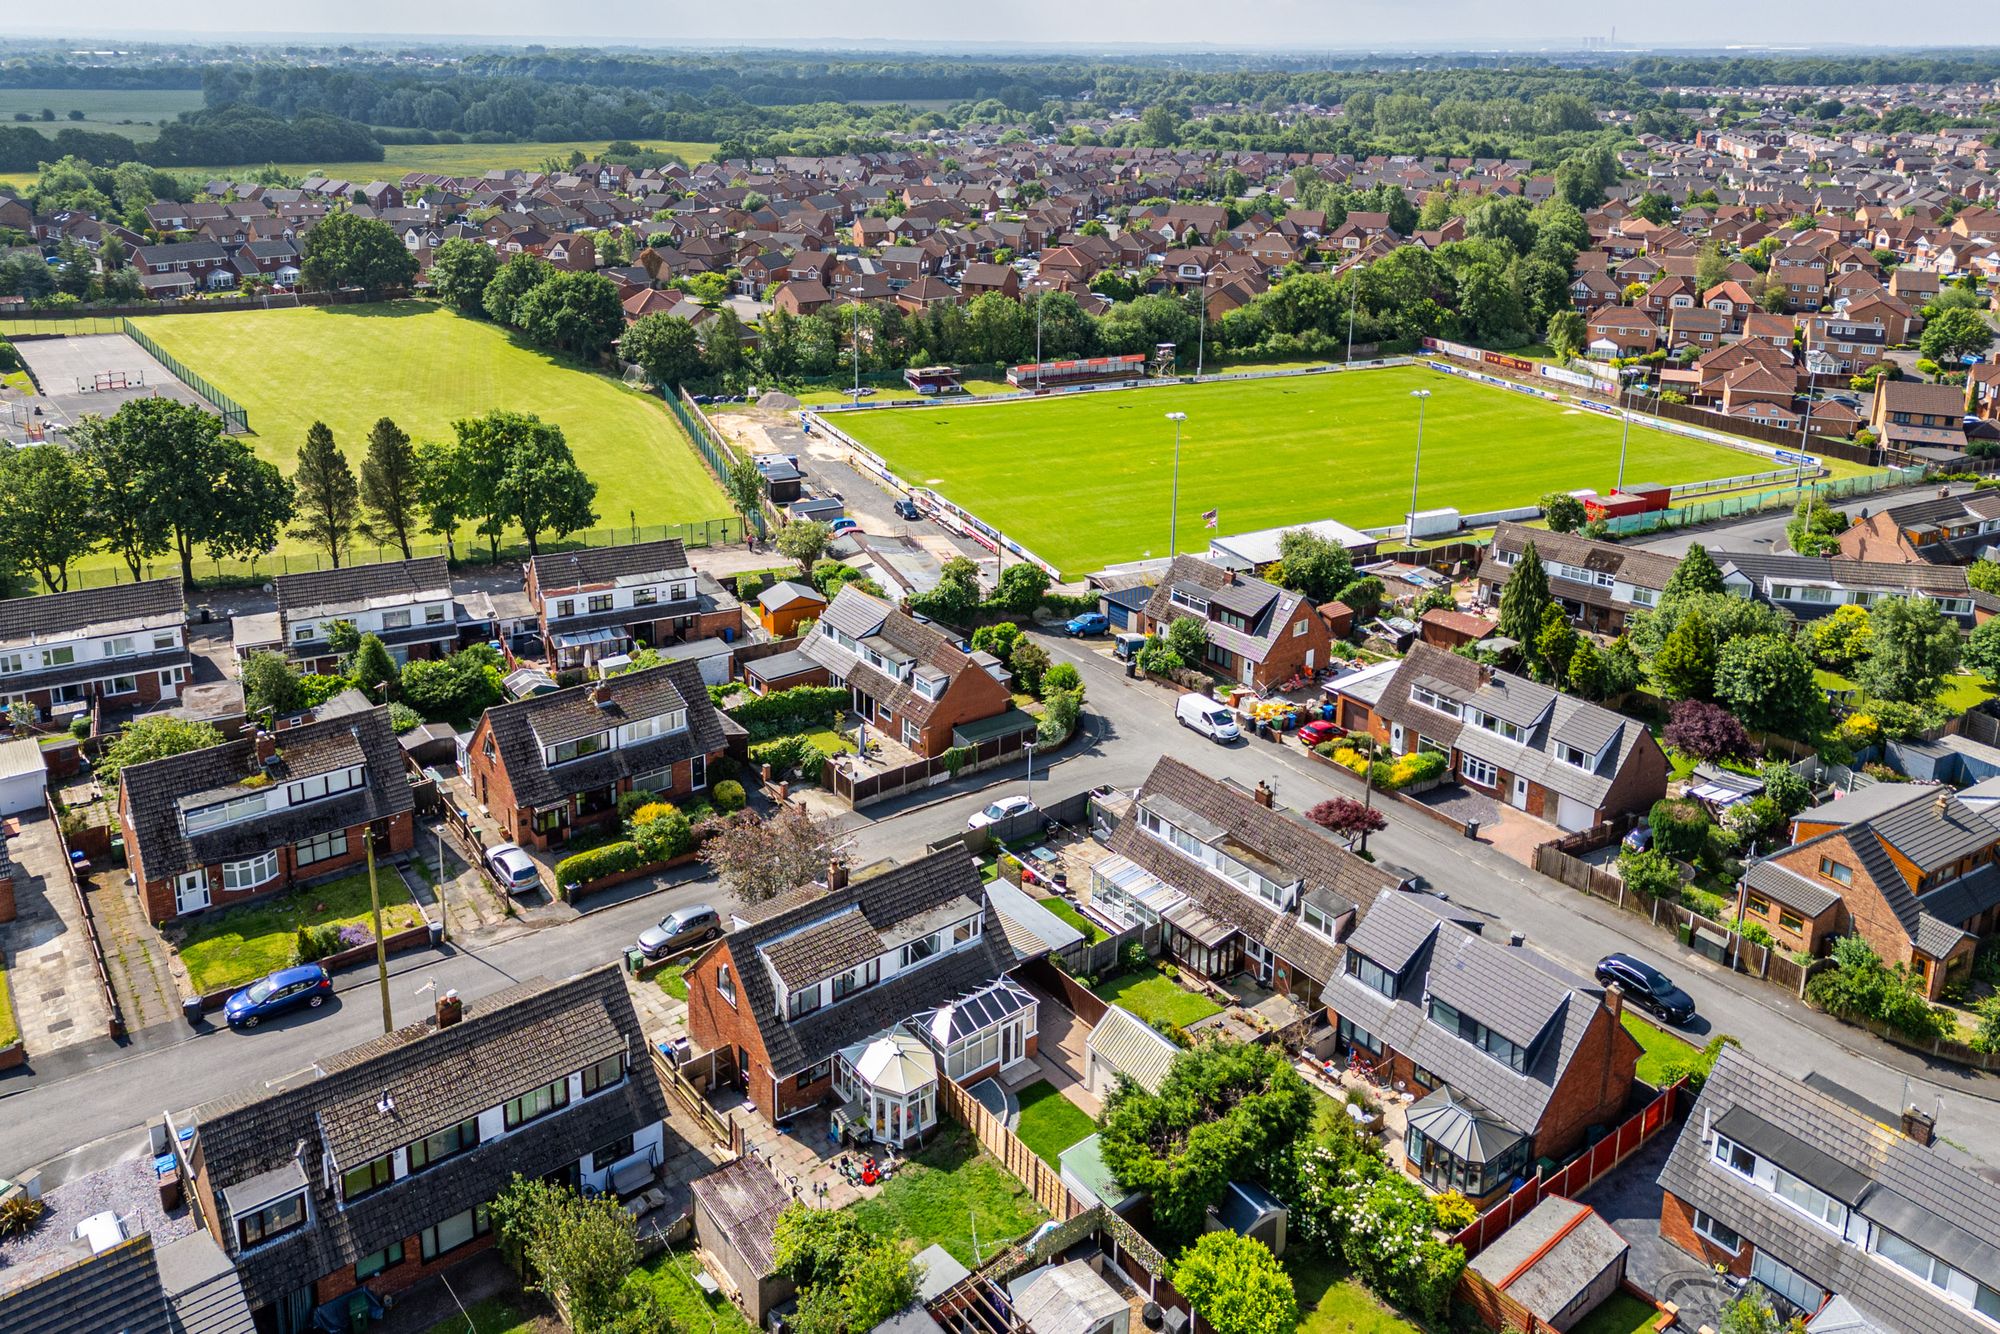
1000 810
513 868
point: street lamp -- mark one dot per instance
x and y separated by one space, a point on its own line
1623 441
1038 340
1416 469
1174 518
854 299
1201 338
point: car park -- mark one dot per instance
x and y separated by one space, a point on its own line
1647 987
680 929
307 985
1204 715
1000 810
1089 623
513 868
1319 730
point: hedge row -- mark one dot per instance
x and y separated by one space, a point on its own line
596 863
787 753
799 709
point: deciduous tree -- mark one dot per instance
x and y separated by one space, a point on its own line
572 312
1316 566
1913 648
460 272
1237 1284
804 541
347 250
153 737
1768 681
514 280
664 346
578 1250
759 858
270 684
47 514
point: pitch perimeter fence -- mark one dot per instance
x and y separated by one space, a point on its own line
235 417
1832 491
714 450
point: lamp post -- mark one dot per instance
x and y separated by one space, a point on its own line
1038 340
1353 299
1201 337
1174 518
854 299
1416 468
1623 441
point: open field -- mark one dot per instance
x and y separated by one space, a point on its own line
1262 452
451 159
425 366
125 111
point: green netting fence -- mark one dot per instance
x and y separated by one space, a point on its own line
235 417
714 451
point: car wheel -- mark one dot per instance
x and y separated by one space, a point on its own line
316 1002
250 1021
712 933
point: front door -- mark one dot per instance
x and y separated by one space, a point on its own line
1520 795
1261 961
191 892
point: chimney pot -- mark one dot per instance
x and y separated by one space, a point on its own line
1918 1125
836 874
1265 797
1517 938
1943 803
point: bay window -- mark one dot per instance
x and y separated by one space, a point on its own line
250 872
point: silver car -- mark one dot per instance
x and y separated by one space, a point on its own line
680 929
513 868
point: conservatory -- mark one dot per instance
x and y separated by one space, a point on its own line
987 1030
888 1086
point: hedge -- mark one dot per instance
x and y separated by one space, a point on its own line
799 709
789 752
597 863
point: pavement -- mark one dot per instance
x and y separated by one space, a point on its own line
57 1000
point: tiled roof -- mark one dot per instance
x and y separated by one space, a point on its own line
1266 607
892 634
316 592
116 1292
63 615
605 565
1788 887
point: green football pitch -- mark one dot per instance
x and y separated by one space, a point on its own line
425 367
1085 481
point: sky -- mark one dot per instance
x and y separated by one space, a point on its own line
1283 25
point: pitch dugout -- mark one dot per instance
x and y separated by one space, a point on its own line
95 373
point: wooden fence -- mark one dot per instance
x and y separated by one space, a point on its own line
677 1087
1079 1000
1600 1158
1042 1181
116 1028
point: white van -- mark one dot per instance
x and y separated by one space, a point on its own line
1214 721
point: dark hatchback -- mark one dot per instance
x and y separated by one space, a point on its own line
287 989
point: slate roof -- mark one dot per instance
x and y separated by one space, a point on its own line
894 636
1763 569
1515 991
521 729
155 793
386 584
1932 1195
597 566
54 617
1282 840
1929 827
883 902
505 1045
117 1292
1788 887
1264 606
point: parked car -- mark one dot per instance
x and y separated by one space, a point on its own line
1647 987
307 984
513 867
1089 623
906 508
1205 716
1318 730
1000 810
679 929
842 525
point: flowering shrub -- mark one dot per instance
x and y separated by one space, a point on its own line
355 935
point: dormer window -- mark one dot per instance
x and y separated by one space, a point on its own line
396 620
536 1103
368 1178
270 1221
1570 755
600 602
566 607
1430 699
645 597
565 751
923 947
302 633
1369 973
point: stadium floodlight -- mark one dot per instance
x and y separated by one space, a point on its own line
1416 469
1174 517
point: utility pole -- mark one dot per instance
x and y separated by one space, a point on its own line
1416 469
1174 519
1353 299
381 945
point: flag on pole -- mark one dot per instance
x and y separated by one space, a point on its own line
1208 518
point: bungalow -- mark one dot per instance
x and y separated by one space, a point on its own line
211 827
124 644
407 604
551 764
1258 633
602 601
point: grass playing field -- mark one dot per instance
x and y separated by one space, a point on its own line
425 367
1085 481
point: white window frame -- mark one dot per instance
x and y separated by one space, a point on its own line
1703 1224
1471 768
247 873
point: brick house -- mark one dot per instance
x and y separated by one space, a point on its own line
377 1173
1910 869
602 601
407 604
551 764
1906 414
1941 530
867 994
207 828
124 644
1599 585
1620 331
1258 633
1854 1215
1561 759
1809 587
1513 1058
1232 883
909 679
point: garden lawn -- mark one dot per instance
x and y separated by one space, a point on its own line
1092 933
1621 1313
1153 996
1084 480
1330 1302
937 1197
10 1032
691 1310
425 367
1658 1047
827 741
1963 691
1050 1122
673 980
498 1315
232 947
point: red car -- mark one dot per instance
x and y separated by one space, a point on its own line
1312 733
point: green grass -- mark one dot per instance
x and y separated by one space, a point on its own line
234 946
1331 1302
691 1309
1658 1047
1092 933
495 1315
10 1032
125 111
828 742
426 366
1154 997
1084 481
673 980
1621 1313
1050 1122
1963 691
936 1197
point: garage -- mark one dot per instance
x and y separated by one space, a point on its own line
22 776
1572 815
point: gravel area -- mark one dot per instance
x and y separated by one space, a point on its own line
128 1189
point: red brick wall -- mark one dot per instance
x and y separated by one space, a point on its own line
971 696
1593 1090
1866 908
396 1278
1677 1226
1641 782
716 1025
396 836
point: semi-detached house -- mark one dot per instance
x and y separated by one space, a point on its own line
1813 586
1258 633
123 644
407 604
603 601
1599 585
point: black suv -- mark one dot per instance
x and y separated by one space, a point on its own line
1647 987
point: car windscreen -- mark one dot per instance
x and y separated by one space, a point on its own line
1219 719
260 990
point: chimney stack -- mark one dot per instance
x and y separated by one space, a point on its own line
1943 803
836 874
600 694
1265 797
1228 575
1918 1125
1614 999
450 1009
267 747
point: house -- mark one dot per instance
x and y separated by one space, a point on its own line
1620 331
1121 1045
1232 883
910 680
1558 1264
554 763
1944 529
407 604
133 1286
1515 1058
211 827
376 1172
1907 414
1258 633
602 601
1599 585
1561 759
1982 392
869 993
124 644
1910 869
1854 1215
1812 586
784 604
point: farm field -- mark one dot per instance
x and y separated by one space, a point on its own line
1262 452
109 110
425 366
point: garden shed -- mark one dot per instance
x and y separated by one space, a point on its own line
1560 1262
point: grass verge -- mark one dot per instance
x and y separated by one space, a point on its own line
673 980
947 1192
1657 1047
235 946
1050 1122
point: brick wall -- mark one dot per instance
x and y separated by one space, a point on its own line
1869 912
1677 1226
972 696
1594 1089
396 836
413 1270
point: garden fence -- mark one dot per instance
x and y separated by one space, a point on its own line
116 1027
1042 1181
861 789
235 417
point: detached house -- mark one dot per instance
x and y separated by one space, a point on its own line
1561 759
374 1171
1258 633
213 827
1513 1058
868 994
1853 1216
125 644
551 764
603 601
1908 415
407 604
1599 585
1232 883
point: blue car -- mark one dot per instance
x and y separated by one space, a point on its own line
1090 623
288 988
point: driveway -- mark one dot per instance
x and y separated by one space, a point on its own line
1629 1199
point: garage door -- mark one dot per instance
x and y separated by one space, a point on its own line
1573 815
21 792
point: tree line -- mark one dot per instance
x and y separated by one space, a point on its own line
214 137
